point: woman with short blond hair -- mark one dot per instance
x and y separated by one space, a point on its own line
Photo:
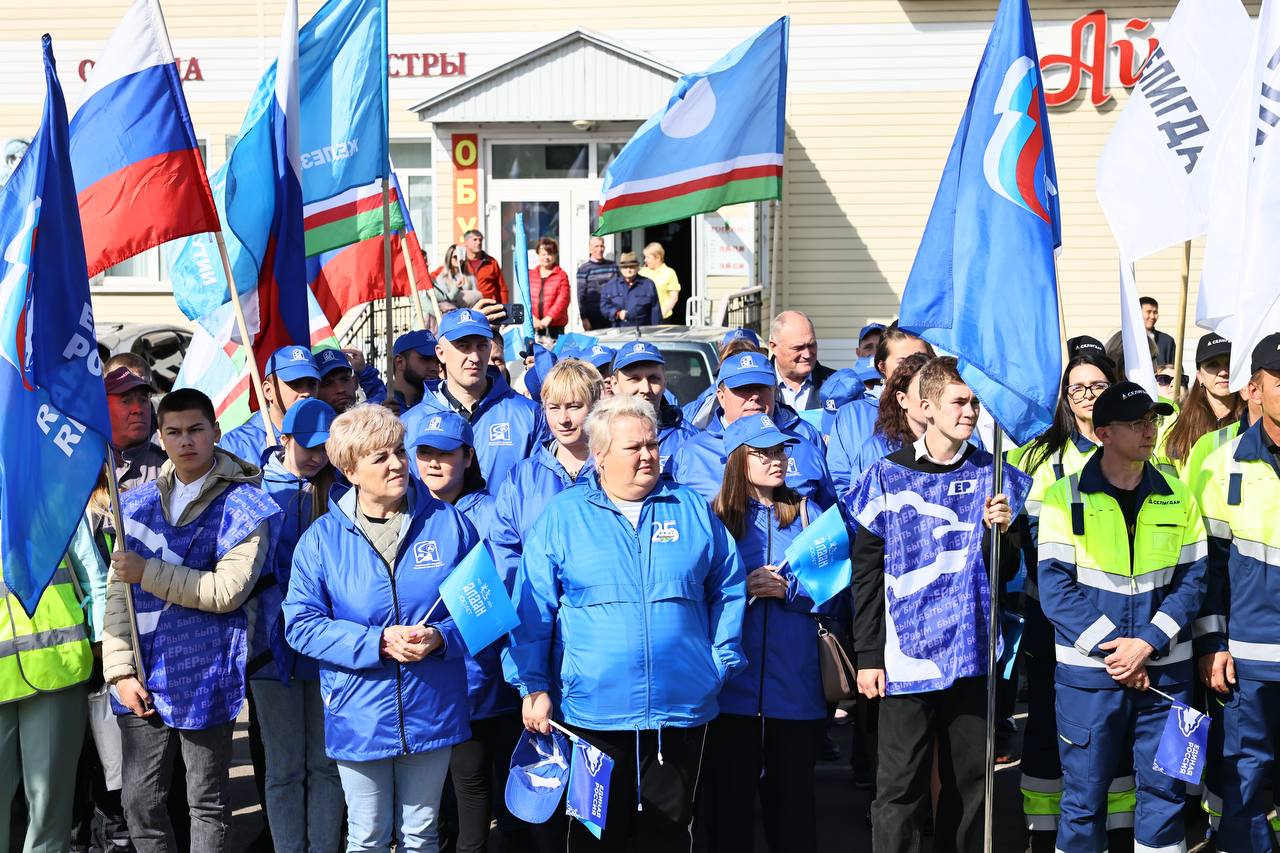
664 278
364 600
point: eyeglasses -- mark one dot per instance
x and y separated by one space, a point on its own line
1164 379
1078 392
1140 426
768 454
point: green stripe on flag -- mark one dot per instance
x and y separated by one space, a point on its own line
689 204
350 229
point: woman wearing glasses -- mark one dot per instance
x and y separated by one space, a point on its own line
1061 451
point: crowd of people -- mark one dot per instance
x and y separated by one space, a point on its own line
295 564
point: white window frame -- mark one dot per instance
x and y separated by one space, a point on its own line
426 235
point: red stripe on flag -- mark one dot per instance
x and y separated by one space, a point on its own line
344 211
241 387
709 182
353 276
153 201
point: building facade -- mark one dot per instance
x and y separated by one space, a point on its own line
501 107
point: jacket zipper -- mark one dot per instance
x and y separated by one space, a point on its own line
764 634
644 613
395 603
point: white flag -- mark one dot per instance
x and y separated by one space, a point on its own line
1145 174
1239 294
1137 351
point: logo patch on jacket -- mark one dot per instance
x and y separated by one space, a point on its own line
793 470
426 555
962 487
500 434
665 531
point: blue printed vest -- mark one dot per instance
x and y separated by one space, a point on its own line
195 661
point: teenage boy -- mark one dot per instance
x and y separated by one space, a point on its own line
196 539
921 602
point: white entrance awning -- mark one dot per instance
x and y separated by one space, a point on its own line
579 76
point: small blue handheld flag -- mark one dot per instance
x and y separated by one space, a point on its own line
1181 751
588 798
478 601
520 264
819 557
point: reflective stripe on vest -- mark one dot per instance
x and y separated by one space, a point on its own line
48 651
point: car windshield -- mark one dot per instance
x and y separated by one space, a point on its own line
687 374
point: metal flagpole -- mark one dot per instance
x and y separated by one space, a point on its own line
1182 319
117 518
254 373
386 271
993 628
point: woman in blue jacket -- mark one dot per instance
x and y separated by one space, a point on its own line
630 595
772 711
304 794
364 600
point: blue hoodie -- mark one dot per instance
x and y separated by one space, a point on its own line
507 427
781 679
343 594
699 463
855 424
633 628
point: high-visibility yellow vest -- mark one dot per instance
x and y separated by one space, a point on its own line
48 651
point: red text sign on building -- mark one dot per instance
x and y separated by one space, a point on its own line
188 69
426 65
1091 59
466 203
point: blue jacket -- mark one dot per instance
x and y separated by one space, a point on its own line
674 430
375 390
699 463
632 630
520 501
699 407
341 597
875 447
507 427
781 678
639 300
248 441
855 424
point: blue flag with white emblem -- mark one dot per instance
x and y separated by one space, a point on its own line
588 797
1181 750
478 600
982 286
819 557
53 436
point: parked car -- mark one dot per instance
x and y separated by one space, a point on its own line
690 351
163 346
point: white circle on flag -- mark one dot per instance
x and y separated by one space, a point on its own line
691 114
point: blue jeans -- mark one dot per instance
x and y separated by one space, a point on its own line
399 796
304 794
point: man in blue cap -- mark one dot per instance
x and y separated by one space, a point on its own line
416 364
339 379
507 426
869 339
640 370
746 386
290 375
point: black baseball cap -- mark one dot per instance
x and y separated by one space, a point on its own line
1212 345
1085 345
1126 401
1266 355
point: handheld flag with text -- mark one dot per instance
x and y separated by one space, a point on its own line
588 796
718 141
137 163
1181 751
819 557
53 436
982 286
478 601
520 263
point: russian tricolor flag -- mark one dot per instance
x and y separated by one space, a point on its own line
138 172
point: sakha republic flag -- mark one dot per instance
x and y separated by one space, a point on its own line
982 285
718 141
1239 297
1150 176
53 436
134 153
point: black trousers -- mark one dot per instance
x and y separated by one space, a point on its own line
664 819
909 724
479 769
774 758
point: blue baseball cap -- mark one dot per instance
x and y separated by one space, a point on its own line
543 360
329 360
308 421
868 329
844 386
290 363
865 367
598 356
420 341
636 353
445 431
539 775
746 368
739 334
463 322
756 431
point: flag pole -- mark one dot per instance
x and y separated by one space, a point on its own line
993 628
117 519
413 286
254 373
431 292
386 272
1182 319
